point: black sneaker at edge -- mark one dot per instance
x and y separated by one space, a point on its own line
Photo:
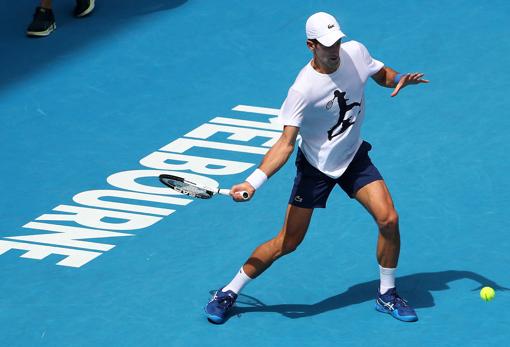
42 24
83 7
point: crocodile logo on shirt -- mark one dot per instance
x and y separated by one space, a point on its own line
344 124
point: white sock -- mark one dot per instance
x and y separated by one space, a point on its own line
387 278
240 280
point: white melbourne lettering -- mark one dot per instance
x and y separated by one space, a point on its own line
98 216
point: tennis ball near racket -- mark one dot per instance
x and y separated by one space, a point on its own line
487 293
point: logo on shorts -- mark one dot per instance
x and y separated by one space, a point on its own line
298 199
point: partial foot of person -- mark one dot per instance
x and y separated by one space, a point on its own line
42 24
83 8
391 303
218 308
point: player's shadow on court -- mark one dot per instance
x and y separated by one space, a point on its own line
415 288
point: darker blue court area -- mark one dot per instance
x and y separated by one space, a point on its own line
85 109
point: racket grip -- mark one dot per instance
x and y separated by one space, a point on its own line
224 192
244 193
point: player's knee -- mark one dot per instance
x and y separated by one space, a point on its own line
388 221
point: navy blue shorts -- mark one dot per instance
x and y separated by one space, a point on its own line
312 187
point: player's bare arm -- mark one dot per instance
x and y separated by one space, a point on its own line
274 159
389 78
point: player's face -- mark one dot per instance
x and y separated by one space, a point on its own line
328 58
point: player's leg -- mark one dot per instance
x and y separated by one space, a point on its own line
376 198
290 236
363 182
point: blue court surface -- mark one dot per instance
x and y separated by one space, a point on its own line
95 252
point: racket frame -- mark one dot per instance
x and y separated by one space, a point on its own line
210 192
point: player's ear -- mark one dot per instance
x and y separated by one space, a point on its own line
311 45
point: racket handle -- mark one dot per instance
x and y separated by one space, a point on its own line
244 193
224 192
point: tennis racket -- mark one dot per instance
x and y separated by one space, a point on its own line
194 190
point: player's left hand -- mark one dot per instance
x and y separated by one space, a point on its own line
407 79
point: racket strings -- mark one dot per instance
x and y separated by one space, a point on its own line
190 190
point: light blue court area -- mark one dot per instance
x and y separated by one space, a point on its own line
95 252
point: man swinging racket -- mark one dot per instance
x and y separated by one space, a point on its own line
325 106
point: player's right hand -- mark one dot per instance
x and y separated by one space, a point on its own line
236 189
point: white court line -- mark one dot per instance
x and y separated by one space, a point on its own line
254 109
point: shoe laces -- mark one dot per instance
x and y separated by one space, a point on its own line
401 305
400 302
226 300
395 300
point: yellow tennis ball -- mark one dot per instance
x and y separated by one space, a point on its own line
487 293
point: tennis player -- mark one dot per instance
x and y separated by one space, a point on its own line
325 106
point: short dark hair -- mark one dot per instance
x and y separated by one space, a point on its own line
316 42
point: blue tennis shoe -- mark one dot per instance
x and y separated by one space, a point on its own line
390 302
217 309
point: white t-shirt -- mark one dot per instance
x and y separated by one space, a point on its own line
329 109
